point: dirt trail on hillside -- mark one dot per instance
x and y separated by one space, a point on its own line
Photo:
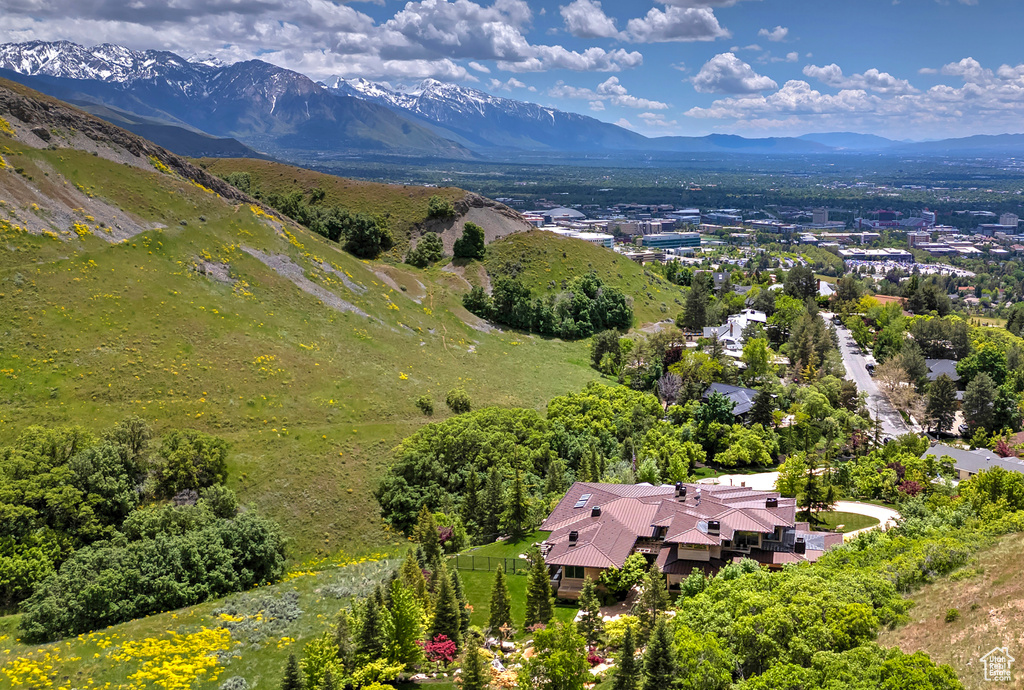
286 268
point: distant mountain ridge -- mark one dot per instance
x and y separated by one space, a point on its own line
264 106
288 115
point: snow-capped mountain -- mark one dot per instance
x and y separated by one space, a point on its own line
485 121
265 106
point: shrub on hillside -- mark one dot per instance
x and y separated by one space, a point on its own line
429 249
458 401
471 245
440 208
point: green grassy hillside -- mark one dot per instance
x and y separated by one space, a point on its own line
187 327
543 260
402 205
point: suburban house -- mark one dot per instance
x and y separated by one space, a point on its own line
730 333
938 367
967 463
742 397
681 527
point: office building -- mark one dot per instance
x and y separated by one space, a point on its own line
671 240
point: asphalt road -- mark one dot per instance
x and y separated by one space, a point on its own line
856 370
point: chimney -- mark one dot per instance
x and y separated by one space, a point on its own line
681 493
800 546
772 502
595 511
573 537
679 487
714 527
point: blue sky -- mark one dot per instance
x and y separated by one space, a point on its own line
908 69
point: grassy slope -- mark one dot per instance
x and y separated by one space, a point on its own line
991 606
93 332
543 260
402 205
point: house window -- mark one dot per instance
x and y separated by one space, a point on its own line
574 572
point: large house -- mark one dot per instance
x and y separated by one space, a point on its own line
967 463
730 333
742 398
681 527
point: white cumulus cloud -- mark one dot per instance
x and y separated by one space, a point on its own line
726 73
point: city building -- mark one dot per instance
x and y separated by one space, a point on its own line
681 527
929 217
1009 220
596 238
671 240
819 216
916 238
897 255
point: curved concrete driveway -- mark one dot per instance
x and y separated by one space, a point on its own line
765 481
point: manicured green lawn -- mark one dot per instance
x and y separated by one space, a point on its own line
508 548
711 472
850 521
478 585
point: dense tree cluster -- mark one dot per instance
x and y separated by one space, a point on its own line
428 250
587 306
360 234
81 534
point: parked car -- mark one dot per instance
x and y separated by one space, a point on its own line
964 430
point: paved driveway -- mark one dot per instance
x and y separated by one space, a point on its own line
856 370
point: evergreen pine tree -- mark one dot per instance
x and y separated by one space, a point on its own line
590 623
471 502
585 473
517 507
494 505
447 619
343 638
627 676
538 591
941 411
812 496
501 604
555 482
370 640
460 598
292 675
475 675
764 406
653 599
659 659
328 682
412 577
426 536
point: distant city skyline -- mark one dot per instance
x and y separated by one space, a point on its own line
903 69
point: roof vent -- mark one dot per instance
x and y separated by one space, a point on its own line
681 493
771 502
679 488
714 527
573 537
800 546
595 511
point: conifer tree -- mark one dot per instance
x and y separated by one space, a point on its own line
292 675
585 473
555 482
426 536
475 674
659 659
447 620
590 623
460 598
343 638
764 406
653 599
328 682
501 604
412 577
370 640
471 502
538 592
406 627
517 507
627 677
493 506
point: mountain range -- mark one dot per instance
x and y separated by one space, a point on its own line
204 107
